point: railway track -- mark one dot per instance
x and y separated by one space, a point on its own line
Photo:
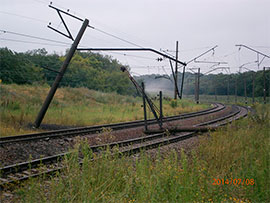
98 128
22 171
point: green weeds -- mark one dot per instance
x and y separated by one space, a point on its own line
238 151
20 105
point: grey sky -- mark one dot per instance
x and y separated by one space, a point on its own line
197 24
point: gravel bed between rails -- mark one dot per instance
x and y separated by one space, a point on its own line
20 152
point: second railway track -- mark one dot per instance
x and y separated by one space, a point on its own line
23 171
98 128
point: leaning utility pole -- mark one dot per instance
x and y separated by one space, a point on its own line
60 75
176 72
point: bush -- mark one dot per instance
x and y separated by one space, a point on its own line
173 103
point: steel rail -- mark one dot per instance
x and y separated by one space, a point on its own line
19 171
98 128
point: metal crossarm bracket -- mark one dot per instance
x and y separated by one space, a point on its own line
68 35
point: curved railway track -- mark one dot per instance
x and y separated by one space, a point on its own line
98 128
22 171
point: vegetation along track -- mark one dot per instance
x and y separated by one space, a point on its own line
23 171
98 128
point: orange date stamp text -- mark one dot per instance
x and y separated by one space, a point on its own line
233 181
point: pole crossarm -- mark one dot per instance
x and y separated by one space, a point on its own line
218 68
194 59
215 62
258 52
132 49
163 76
69 14
59 11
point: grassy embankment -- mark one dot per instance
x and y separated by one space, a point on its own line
240 150
20 105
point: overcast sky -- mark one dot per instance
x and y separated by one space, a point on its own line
198 25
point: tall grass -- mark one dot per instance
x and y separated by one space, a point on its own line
238 151
20 105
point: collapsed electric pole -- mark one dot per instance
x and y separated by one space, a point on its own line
146 99
60 75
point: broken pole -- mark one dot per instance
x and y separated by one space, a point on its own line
59 77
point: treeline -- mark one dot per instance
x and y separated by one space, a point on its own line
102 73
87 69
220 83
214 83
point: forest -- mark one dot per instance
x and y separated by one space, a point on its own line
213 83
102 73
90 70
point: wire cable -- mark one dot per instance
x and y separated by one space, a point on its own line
21 16
31 42
33 37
